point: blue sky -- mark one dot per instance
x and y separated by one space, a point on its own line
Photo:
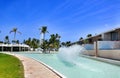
71 19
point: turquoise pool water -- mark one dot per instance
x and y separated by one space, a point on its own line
83 68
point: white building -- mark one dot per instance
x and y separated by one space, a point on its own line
14 47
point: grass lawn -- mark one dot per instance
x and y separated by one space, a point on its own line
10 67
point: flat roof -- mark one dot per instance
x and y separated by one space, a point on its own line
13 45
105 32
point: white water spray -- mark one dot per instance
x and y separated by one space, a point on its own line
70 54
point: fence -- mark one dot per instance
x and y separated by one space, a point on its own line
89 46
106 49
108 45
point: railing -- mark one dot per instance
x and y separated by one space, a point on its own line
89 46
103 45
108 45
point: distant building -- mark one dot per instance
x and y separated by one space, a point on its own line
14 47
111 35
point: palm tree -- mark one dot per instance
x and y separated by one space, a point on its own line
33 43
45 46
89 35
54 41
63 44
57 42
43 30
0 40
15 30
17 41
80 42
68 43
0 32
81 38
7 39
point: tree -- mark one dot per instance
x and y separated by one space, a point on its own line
63 44
28 41
57 42
1 41
81 41
81 38
45 46
86 41
54 41
15 30
66 44
33 43
17 41
89 35
43 30
6 40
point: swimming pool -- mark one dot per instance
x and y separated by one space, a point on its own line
83 68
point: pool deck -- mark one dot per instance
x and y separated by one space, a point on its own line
35 69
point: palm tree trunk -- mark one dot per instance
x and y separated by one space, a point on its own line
14 36
42 38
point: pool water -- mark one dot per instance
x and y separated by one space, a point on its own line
82 68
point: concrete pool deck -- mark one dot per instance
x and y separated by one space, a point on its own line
35 69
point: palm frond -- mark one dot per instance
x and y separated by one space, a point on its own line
11 31
19 32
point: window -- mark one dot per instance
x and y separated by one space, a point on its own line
114 36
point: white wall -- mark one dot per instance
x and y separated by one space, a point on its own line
113 54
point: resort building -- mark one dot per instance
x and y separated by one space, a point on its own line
14 47
111 35
106 44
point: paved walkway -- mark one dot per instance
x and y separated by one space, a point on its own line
34 69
